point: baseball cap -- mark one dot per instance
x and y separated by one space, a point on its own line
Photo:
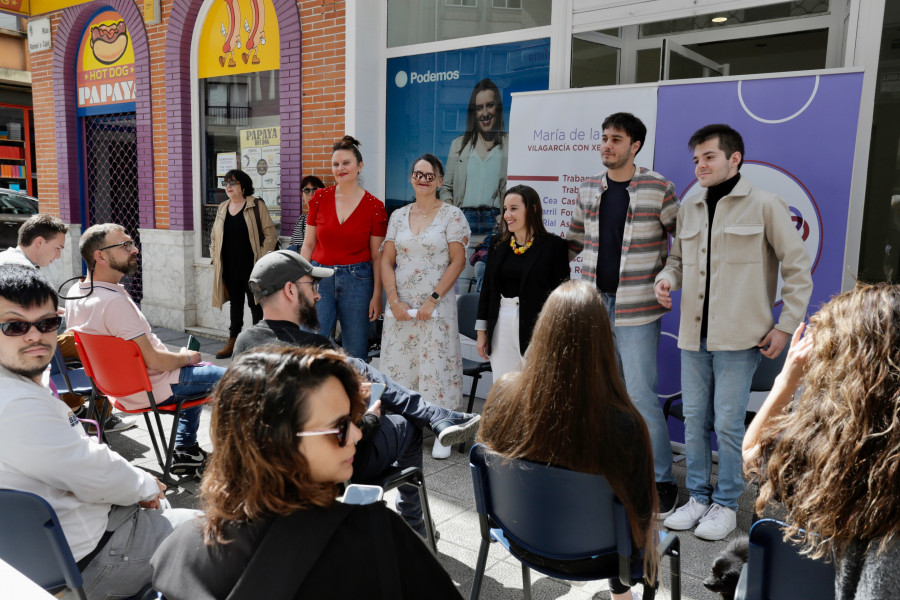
275 269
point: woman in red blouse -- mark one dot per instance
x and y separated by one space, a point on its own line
345 226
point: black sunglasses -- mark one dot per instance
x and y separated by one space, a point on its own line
17 328
343 426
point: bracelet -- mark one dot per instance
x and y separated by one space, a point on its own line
394 303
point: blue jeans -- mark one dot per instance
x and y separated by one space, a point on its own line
346 297
192 380
715 388
482 219
636 348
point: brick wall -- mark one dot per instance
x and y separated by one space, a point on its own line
323 40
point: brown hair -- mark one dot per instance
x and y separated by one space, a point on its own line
259 405
834 460
534 213
94 238
41 225
472 130
348 142
568 407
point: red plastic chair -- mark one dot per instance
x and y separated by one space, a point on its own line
116 368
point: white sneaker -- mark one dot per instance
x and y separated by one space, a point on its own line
716 524
440 451
687 516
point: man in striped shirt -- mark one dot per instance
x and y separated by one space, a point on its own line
621 222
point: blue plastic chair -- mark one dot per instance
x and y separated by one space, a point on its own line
562 523
776 570
32 542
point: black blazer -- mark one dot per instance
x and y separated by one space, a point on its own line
546 266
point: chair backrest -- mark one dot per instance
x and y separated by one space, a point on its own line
467 313
550 511
32 541
116 365
776 569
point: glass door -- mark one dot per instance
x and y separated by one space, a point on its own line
679 62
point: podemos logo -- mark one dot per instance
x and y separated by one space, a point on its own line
401 78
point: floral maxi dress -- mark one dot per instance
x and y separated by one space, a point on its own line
425 355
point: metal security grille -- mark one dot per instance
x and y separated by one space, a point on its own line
112 184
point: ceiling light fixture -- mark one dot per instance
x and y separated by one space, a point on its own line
719 19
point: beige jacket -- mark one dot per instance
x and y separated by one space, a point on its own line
270 237
752 235
456 169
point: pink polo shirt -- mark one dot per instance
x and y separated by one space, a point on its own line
109 310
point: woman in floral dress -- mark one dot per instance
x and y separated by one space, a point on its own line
424 253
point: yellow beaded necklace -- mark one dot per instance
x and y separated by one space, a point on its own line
520 249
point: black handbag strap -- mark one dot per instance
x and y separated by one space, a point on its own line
287 553
259 229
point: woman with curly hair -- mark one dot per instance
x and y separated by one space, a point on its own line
568 408
283 426
832 456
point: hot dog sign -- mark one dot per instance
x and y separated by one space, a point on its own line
238 36
105 73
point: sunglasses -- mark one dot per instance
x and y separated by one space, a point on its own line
17 328
418 175
127 245
309 190
343 426
229 183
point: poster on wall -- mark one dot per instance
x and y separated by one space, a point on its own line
238 36
261 160
438 101
555 144
105 66
789 124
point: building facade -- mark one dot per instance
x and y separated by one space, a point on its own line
143 137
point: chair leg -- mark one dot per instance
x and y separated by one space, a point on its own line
170 449
526 582
153 438
479 569
426 512
475 379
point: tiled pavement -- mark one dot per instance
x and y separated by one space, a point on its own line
453 509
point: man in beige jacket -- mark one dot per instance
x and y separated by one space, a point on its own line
730 242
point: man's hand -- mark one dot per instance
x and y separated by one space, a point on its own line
155 502
775 340
662 293
194 357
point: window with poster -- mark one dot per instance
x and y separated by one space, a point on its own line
240 121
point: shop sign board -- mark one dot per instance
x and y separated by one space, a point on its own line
39 35
239 36
261 160
105 67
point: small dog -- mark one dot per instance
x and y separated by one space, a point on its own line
726 569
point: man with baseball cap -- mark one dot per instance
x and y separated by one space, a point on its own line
286 286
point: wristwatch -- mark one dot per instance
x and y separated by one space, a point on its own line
436 297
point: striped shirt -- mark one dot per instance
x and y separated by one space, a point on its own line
650 218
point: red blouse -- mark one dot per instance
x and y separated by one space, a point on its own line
345 243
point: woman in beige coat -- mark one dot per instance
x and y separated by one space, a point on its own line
235 246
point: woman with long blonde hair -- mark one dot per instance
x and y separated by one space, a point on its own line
568 408
833 460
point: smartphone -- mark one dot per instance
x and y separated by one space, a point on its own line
362 494
193 344
375 392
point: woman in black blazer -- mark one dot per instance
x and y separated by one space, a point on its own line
523 266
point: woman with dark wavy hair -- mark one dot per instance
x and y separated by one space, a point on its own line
568 408
283 426
832 456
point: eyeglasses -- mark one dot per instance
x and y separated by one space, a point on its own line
127 245
343 426
230 183
419 176
17 328
314 285
309 190
489 106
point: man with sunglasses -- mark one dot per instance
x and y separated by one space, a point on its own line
98 497
286 286
103 307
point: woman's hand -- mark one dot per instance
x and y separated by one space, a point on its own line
482 344
425 311
401 311
375 307
797 358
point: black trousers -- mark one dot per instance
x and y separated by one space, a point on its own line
237 289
